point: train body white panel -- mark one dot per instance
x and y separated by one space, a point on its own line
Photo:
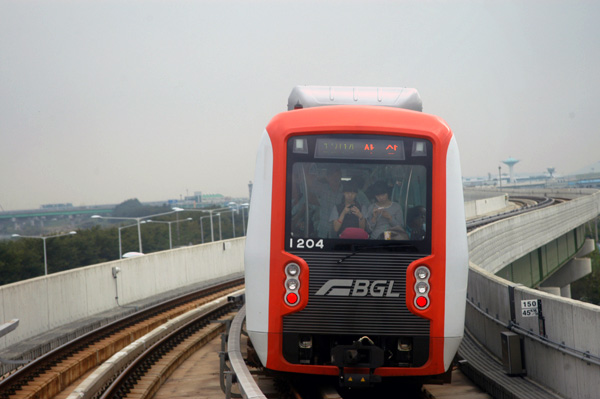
258 249
457 262
316 96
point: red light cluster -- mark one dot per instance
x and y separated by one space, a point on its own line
422 287
292 284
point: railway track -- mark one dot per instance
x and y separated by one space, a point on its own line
52 373
145 374
527 204
132 356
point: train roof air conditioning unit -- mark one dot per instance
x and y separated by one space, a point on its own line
316 96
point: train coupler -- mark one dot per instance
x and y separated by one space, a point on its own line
357 363
357 355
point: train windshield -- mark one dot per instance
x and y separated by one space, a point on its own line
367 190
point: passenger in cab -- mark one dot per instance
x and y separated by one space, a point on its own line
348 217
327 193
415 222
384 215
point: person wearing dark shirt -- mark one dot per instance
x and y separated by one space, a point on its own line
348 213
415 222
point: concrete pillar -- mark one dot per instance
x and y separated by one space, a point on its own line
587 248
570 272
565 291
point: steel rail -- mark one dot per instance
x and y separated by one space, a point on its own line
161 347
28 372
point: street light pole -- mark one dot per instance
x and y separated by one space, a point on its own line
233 212
138 220
243 208
44 238
220 235
500 176
120 246
170 223
202 227
220 230
210 211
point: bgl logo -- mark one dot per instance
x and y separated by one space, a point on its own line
343 287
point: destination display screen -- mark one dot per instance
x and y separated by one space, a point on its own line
367 148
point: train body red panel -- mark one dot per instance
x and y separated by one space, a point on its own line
356 253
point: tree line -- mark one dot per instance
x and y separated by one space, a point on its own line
98 240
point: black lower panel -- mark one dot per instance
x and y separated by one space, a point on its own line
322 350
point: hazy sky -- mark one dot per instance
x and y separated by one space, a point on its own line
102 101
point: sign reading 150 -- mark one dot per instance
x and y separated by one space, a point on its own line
529 308
305 243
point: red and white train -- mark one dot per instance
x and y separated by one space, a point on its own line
356 254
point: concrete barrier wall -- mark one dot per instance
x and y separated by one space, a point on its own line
568 193
568 323
44 303
489 294
482 207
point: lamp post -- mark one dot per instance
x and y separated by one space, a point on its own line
202 227
500 176
138 220
169 223
242 208
233 212
220 235
120 228
210 211
44 239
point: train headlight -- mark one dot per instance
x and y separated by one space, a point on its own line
422 287
292 270
292 284
422 273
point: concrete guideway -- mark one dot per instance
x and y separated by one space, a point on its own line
566 326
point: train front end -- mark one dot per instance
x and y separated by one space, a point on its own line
356 253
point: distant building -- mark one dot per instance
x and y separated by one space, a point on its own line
213 199
56 207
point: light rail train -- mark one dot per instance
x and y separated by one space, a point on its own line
356 253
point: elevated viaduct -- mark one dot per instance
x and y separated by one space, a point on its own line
532 256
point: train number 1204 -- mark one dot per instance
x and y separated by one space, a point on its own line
303 243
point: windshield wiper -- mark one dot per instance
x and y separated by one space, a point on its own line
361 248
